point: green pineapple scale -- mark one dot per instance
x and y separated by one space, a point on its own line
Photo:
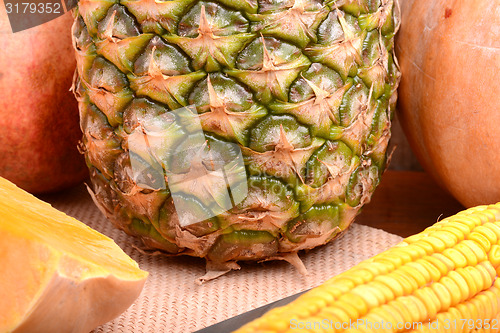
302 90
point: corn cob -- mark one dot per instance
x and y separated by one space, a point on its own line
443 279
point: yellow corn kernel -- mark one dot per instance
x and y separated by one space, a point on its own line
488 273
386 291
484 213
342 284
477 210
468 221
428 329
443 294
323 294
305 309
484 216
400 308
332 319
277 311
356 330
312 303
482 309
389 263
456 257
456 318
413 251
416 306
356 301
496 287
447 237
267 324
462 285
333 290
494 257
480 252
468 254
352 310
408 284
490 214
494 227
432 303
434 273
481 240
437 244
475 286
359 276
376 323
394 259
488 232
420 276
312 325
435 326
415 238
369 295
427 247
491 301
466 312
451 316
474 274
376 268
276 325
338 314
389 312
452 288
391 283
443 222
458 230
441 262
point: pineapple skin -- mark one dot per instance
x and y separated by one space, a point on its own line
303 90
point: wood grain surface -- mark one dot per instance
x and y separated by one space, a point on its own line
406 202
402 156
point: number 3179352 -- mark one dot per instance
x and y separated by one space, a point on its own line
33 8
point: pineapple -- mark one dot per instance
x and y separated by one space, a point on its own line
235 129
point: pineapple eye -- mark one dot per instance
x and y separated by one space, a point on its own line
117 24
211 17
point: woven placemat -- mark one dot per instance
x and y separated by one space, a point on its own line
172 301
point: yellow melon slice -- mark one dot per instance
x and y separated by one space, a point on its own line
56 273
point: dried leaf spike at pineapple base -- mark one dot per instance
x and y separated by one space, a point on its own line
304 89
445 278
57 274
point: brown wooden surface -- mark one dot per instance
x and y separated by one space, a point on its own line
402 155
406 202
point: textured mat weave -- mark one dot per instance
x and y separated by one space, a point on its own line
171 300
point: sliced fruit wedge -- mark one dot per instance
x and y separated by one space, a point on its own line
56 273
